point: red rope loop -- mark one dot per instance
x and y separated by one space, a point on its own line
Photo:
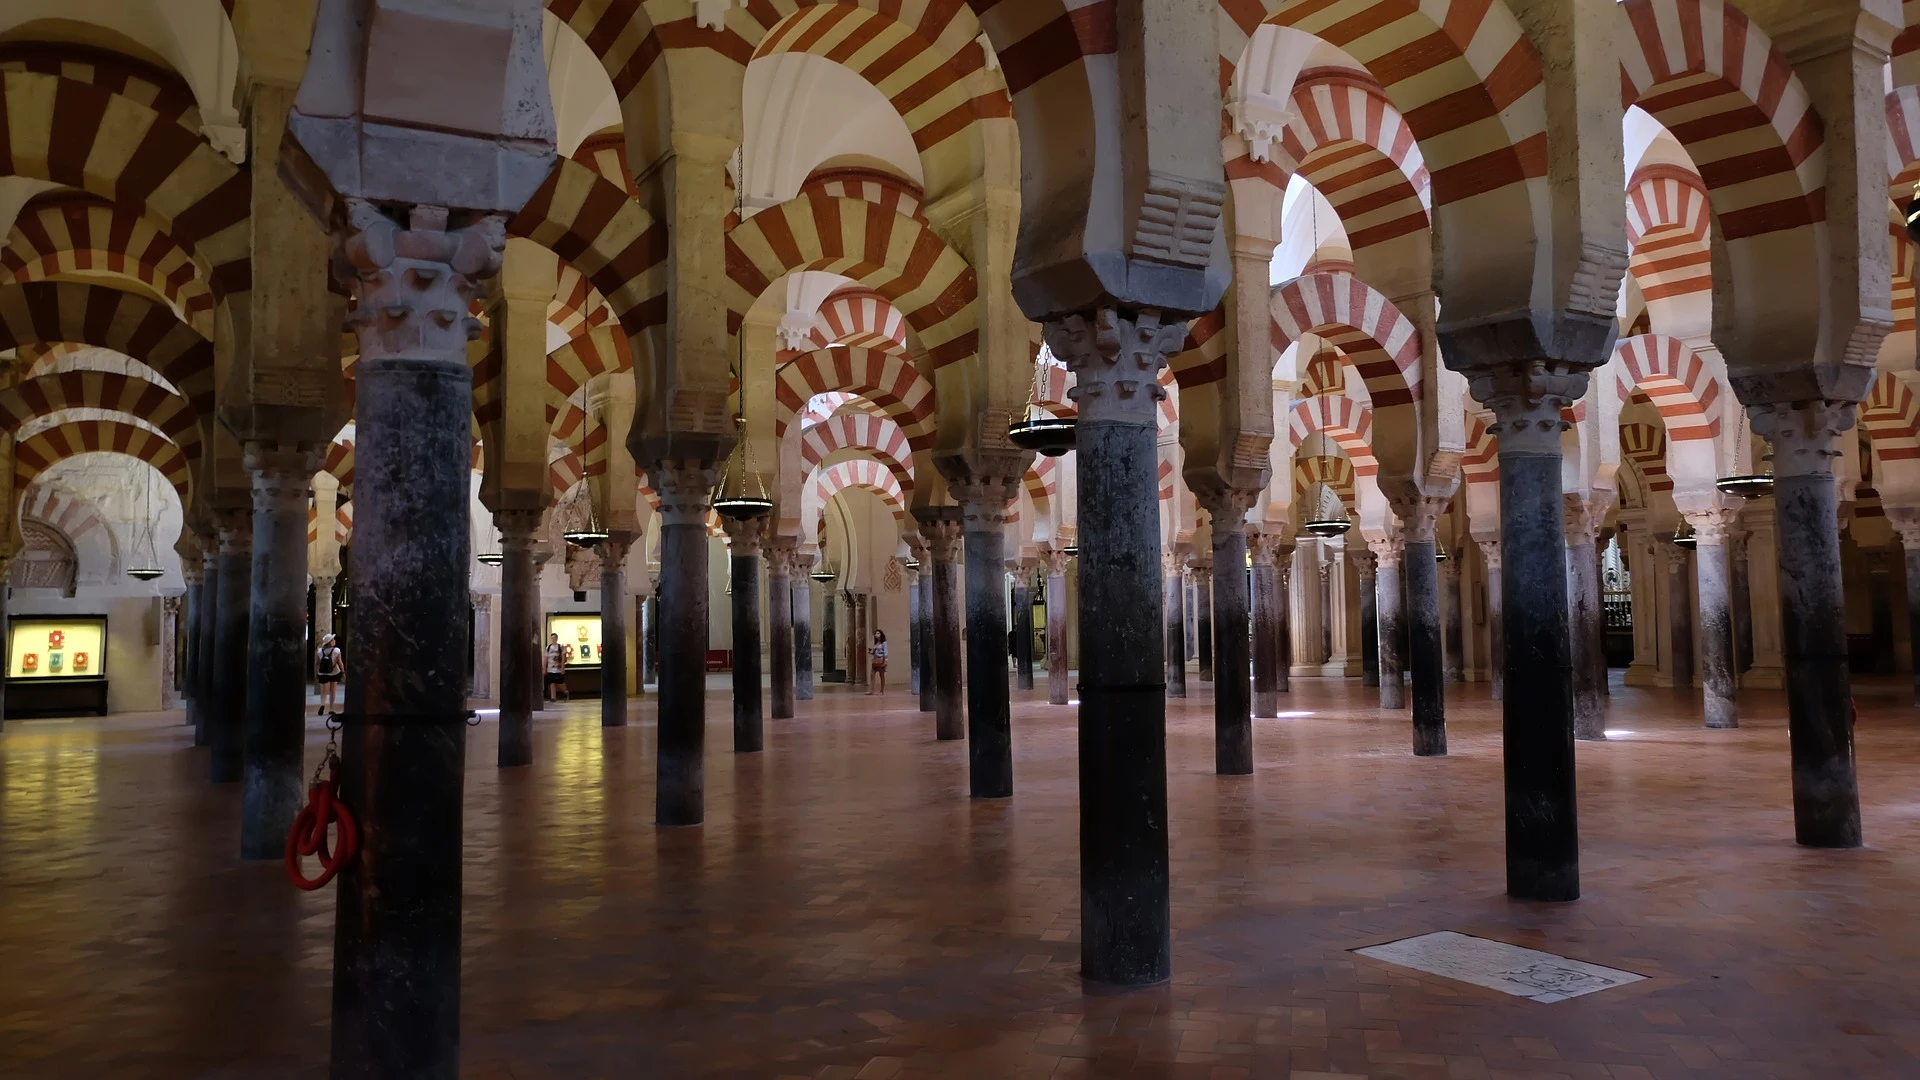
309 835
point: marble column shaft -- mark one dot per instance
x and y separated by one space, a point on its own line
276 726
1910 543
1203 616
1232 639
1419 517
916 641
684 488
1386 596
1368 564
521 649
1716 617
1453 628
802 601
1283 617
1680 615
943 538
1585 620
1266 628
1826 795
207 688
1173 582
929 650
229 681
196 611
1742 593
613 628
1496 621
985 505
743 540
1023 628
1058 692
779 555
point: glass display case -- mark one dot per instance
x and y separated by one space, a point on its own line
580 633
56 665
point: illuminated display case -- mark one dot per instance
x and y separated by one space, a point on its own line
580 632
56 665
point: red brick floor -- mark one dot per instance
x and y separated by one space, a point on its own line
847 912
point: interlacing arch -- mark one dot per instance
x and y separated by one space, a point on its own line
1335 473
1668 230
36 455
867 185
1756 142
65 233
577 306
902 259
338 464
861 473
1347 139
1462 74
1902 278
126 152
601 351
1347 422
108 318
40 397
76 517
859 431
605 235
1382 343
1481 462
622 34
342 528
1891 416
572 429
1675 379
158 89
887 379
1042 482
1646 446
860 318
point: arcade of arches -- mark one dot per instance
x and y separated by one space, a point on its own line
1491 432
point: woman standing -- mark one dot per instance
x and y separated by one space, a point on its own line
878 684
329 668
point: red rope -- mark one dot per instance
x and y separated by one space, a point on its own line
309 835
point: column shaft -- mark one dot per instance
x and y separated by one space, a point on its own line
1057 671
1266 647
1452 622
1233 688
1680 615
680 793
1716 625
985 505
1023 630
943 543
802 628
1429 676
520 645
230 647
929 650
276 725
1496 622
1386 597
916 658
208 644
1174 585
744 536
196 610
1584 622
1203 618
1283 618
1369 621
613 630
780 625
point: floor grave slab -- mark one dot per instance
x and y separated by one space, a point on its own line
1496 965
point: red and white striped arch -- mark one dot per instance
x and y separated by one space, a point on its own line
570 428
1349 141
342 523
1891 417
38 454
902 259
1042 483
1167 473
1668 228
889 380
873 435
74 515
605 235
867 185
45 395
576 306
1675 379
861 473
1347 422
1902 278
338 463
1708 73
1645 445
160 90
147 330
1382 343
1461 72
1335 472
859 318
67 233
1480 464
1903 141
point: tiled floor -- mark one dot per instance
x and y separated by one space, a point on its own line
847 912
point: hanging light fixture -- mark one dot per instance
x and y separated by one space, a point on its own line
147 567
1325 525
1913 215
1034 428
493 557
1683 536
1753 485
824 574
912 564
1072 550
592 533
1439 552
740 495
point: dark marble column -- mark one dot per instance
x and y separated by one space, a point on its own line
1386 602
985 504
1058 692
613 628
857 638
1368 565
190 569
1453 630
396 957
1585 620
802 606
208 641
1232 642
1906 522
779 550
1496 623
1174 583
1542 827
1125 909
943 535
1266 623
916 641
1283 615
743 541
520 645
1826 795
929 655
830 633
230 646
1742 597
685 489
1716 616
651 635
1022 625
1680 616
1324 571
1202 568
276 685
1419 516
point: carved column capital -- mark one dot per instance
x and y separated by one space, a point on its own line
1387 550
1055 560
1527 397
744 535
482 602
236 531
986 502
1490 551
1581 518
1906 524
519 529
1365 561
944 537
779 551
803 561
413 285
685 490
1260 546
1226 504
1710 526
1449 570
282 474
1805 434
1116 357
1420 516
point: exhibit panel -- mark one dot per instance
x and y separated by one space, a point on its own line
57 665
579 633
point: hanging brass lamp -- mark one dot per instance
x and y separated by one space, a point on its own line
740 495
1754 485
1031 427
1325 524
147 566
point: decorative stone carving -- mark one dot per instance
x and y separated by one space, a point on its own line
744 535
685 490
1527 399
1804 435
1419 516
1179 217
944 538
1116 360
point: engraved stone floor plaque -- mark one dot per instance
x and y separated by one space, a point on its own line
1496 965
